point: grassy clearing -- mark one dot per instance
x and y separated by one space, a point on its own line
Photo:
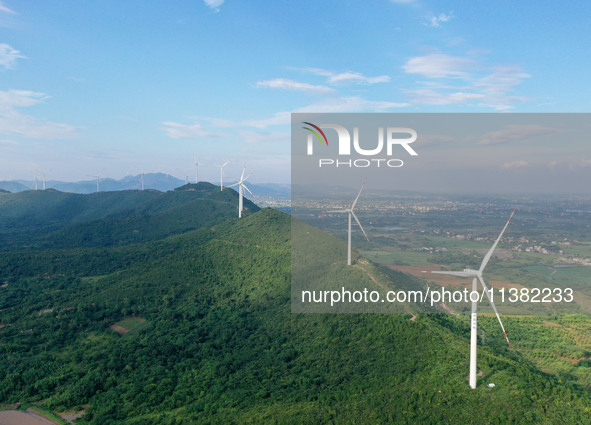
129 325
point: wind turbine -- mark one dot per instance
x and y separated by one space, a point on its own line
241 186
98 183
222 174
476 276
196 169
142 176
351 213
36 182
43 174
185 174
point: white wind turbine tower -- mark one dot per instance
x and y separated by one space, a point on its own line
476 276
36 183
98 183
351 213
221 167
143 178
241 186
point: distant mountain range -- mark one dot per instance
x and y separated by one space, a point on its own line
158 181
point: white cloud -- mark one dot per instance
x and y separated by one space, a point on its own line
483 86
438 65
515 164
351 104
214 4
188 131
357 78
218 122
333 104
432 97
20 99
285 84
279 118
516 133
502 80
347 77
436 21
257 138
9 56
5 9
13 122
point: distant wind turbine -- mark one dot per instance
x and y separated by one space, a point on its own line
197 164
43 174
476 276
241 186
185 174
221 167
36 182
98 181
351 213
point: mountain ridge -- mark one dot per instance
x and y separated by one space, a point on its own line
152 181
50 219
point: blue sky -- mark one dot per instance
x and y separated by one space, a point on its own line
117 88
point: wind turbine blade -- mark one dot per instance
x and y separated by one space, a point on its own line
244 186
355 201
235 184
242 176
460 274
492 248
226 163
485 287
360 226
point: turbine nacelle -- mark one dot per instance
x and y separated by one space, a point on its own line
473 273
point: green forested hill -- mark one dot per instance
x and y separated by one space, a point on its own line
219 344
52 219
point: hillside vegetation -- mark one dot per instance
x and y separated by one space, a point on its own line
217 342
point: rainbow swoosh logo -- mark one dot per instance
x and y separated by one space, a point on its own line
316 130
